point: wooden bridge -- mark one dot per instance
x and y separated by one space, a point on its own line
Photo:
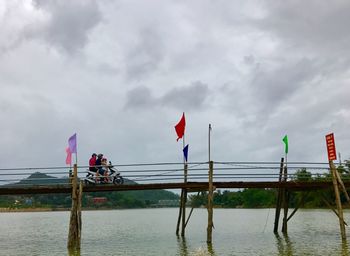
190 186
226 175
188 177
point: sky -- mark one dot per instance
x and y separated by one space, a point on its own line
121 73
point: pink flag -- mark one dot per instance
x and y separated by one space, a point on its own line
72 142
69 156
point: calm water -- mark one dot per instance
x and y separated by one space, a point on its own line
152 232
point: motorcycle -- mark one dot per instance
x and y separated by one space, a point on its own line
113 177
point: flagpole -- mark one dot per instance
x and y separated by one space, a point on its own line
76 153
209 141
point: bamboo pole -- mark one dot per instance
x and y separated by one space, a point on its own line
330 207
210 204
73 235
285 200
189 216
337 200
180 213
184 203
341 183
279 199
80 197
297 207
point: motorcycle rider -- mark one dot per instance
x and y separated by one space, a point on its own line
105 169
92 163
99 166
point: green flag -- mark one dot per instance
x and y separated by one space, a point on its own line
285 140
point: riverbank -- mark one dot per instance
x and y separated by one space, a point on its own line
33 209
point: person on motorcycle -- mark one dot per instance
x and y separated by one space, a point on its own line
105 169
99 166
92 163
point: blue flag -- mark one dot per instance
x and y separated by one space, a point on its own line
185 150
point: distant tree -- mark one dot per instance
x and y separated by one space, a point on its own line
302 175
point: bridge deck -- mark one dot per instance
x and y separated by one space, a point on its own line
191 186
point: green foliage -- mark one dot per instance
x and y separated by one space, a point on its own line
302 175
249 198
255 198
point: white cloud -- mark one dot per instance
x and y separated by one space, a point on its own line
120 74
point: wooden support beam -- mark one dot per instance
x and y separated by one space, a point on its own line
183 227
337 200
297 207
210 203
285 200
279 199
189 216
180 212
341 183
331 207
74 236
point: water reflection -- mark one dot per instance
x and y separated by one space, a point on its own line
344 248
181 241
211 249
185 251
284 245
73 252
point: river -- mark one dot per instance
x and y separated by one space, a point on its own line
152 232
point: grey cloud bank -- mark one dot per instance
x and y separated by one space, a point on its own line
120 74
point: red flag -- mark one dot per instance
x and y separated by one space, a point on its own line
69 156
180 127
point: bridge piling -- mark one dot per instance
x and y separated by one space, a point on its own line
74 235
285 200
279 199
337 199
183 227
210 204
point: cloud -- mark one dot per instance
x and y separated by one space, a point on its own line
69 22
326 29
186 98
64 25
272 87
146 55
120 74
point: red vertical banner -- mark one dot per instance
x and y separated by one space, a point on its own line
332 154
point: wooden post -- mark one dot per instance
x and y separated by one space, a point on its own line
189 216
337 200
285 200
80 197
279 199
75 221
210 203
180 213
341 183
184 203
330 206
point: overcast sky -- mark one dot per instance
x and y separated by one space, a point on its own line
120 74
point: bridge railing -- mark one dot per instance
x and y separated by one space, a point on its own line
171 172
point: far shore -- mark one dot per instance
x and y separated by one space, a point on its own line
33 209
3 210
